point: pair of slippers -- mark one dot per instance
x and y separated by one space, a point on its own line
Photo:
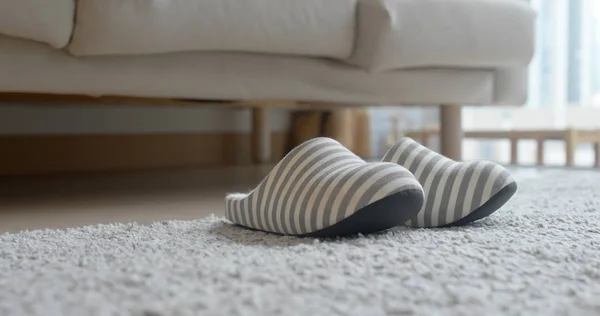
322 189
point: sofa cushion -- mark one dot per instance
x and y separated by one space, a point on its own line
44 21
459 33
306 27
34 68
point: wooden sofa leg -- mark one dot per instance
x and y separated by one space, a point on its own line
261 135
451 133
341 128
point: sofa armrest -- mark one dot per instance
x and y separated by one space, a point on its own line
458 33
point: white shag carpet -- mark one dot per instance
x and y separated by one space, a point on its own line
539 255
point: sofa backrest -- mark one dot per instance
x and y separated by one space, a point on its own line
322 28
47 21
375 35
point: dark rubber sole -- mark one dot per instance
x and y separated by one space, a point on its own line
489 207
384 214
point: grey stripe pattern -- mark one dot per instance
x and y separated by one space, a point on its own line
453 190
316 185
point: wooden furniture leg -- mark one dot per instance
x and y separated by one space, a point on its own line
425 140
340 127
362 133
306 125
597 154
261 135
514 151
597 149
570 146
540 151
451 133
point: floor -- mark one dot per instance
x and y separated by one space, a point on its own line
72 200
62 201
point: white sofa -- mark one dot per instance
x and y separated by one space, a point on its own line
342 52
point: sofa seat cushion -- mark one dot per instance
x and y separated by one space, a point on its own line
49 22
32 67
458 33
307 27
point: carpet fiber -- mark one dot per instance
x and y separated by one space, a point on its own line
539 255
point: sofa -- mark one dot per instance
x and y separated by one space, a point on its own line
334 54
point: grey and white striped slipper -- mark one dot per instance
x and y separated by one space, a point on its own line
455 193
322 189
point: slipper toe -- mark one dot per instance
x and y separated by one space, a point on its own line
456 193
321 188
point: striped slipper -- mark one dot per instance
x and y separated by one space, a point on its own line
321 189
455 193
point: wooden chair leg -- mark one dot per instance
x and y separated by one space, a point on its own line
425 140
540 151
514 151
570 147
261 135
451 133
597 153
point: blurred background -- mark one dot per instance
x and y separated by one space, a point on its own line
66 164
564 91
